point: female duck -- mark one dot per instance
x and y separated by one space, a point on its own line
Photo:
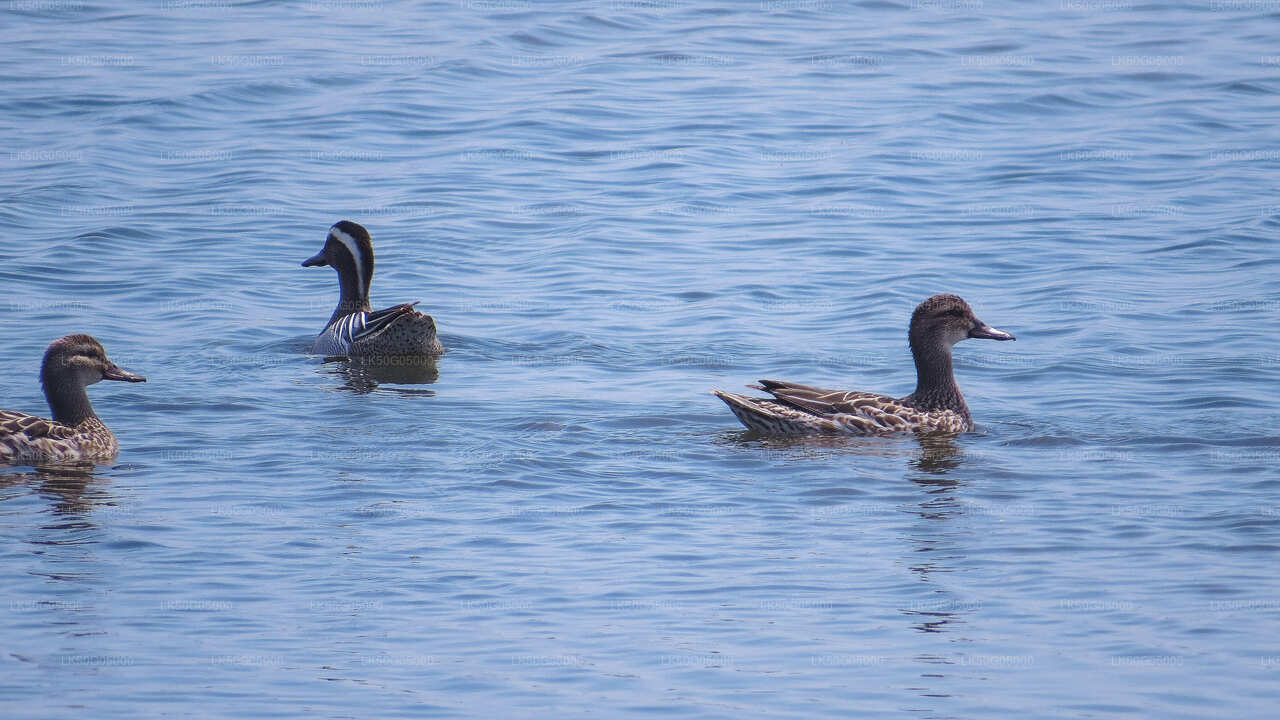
355 329
936 325
75 434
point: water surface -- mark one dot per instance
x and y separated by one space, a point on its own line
611 208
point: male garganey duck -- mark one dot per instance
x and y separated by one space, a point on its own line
355 329
936 405
75 434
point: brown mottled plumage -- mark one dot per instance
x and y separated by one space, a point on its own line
75 434
936 405
355 330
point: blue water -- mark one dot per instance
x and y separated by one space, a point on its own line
611 208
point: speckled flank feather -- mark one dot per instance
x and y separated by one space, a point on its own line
75 434
395 331
354 329
27 439
936 405
408 332
802 410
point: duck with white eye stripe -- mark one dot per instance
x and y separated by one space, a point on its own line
356 330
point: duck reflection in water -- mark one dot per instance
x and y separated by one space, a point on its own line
932 537
936 453
939 454
364 375
68 485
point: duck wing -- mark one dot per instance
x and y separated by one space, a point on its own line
22 434
852 410
379 320
15 423
346 331
826 402
398 331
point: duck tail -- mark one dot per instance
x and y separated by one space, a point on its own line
749 411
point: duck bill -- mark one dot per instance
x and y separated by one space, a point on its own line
985 332
115 372
316 260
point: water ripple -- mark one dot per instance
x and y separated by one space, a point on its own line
610 209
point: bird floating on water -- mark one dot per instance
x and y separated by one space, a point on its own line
936 405
355 330
75 434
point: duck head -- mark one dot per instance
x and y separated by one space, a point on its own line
70 364
946 320
81 360
348 249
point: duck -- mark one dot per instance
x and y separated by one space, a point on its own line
74 434
356 330
937 324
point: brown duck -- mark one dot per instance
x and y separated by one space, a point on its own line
75 434
936 405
